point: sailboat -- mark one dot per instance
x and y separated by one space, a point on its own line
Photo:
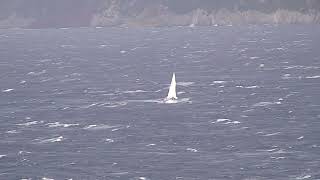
172 95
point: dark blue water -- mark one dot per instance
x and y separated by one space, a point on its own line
87 103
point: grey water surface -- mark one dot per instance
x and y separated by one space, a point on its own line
86 103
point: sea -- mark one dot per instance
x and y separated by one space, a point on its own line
87 103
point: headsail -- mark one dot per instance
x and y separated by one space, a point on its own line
172 90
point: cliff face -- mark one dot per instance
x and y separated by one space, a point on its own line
76 13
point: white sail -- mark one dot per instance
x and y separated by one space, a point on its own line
172 90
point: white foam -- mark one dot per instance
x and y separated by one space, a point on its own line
142 178
272 134
251 87
67 46
286 76
134 91
56 139
58 124
262 104
304 177
109 140
98 127
7 90
12 132
301 137
2 155
254 57
222 120
22 82
232 122
46 178
277 158
150 144
89 106
269 150
185 83
192 150
312 77
123 51
24 152
30 123
301 67
114 104
37 73
219 82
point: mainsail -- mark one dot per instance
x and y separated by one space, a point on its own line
172 90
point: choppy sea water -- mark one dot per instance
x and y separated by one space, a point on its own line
87 103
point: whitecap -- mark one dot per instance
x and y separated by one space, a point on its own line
88 106
269 150
56 139
114 104
24 152
277 158
119 173
251 87
303 177
67 79
22 82
232 122
37 73
312 77
46 178
185 83
58 124
192 150
109 140
301 137
219 82
150 144
134 91
123 51
222 120
272 134
30 123
262 104
12 132
2 155
286 76
7 90
254 57
67 46
99 127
